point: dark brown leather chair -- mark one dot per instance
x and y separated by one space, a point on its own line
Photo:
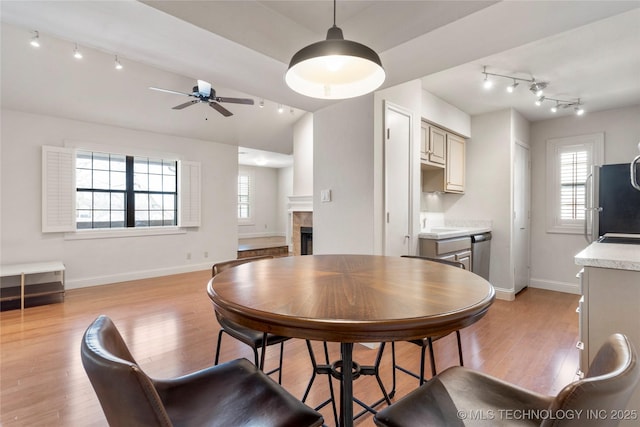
462 397
232 394
254 339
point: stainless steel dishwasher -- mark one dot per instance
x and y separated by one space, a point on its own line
481 254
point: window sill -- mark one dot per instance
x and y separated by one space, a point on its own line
559 229
123 232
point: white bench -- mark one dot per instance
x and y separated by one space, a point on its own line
31 280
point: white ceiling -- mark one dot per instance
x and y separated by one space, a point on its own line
586 49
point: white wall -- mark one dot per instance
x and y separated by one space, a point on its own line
488 189
343 163
303 156
285 189
445 115
266 203
553 254
107 260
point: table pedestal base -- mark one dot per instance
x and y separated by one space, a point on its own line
338 370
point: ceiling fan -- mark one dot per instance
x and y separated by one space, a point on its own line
205 93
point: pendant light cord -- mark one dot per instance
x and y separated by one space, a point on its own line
334 13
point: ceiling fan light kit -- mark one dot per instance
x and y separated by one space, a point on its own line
537 88
335 68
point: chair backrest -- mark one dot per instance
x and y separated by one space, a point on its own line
612 378
221 266
441 261
127 395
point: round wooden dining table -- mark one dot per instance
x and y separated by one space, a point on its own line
349 299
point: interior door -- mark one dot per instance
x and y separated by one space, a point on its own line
397 175
521 216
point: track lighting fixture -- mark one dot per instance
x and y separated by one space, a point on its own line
537 88
335 68
76 53
261 104
118 65
280 108
35 40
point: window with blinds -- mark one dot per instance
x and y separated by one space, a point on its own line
84 190
569 163
244 196
574 167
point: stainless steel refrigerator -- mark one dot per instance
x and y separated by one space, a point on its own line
613 203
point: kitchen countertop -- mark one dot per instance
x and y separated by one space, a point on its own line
610 255
446 232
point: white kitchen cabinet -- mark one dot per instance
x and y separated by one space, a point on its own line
455 164
443 160
433 145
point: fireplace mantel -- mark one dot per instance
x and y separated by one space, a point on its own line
301 203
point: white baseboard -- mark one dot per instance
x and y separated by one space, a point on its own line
134 275
265 234
505 294
552 285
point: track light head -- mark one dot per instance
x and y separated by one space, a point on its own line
118 65
579 110
539 101
76 53
512 87
488 84
538 87
35 40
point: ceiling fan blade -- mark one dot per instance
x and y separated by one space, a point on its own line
204 88
246 101
185 105
220 109
170 91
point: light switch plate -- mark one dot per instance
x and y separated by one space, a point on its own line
325 195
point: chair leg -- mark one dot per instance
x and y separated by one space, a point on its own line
433 359
218 347
459 348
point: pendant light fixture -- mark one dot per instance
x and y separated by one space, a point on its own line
335 68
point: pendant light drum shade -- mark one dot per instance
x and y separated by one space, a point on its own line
335 68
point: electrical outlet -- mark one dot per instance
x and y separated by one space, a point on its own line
188 255
206 254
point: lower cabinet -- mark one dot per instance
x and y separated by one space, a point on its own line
609 304
454 249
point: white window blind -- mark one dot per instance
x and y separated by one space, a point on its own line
574 168
189 194
569 163
58 190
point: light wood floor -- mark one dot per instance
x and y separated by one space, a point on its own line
170 328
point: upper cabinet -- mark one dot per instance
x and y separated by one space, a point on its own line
455 164
442 155
433 145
